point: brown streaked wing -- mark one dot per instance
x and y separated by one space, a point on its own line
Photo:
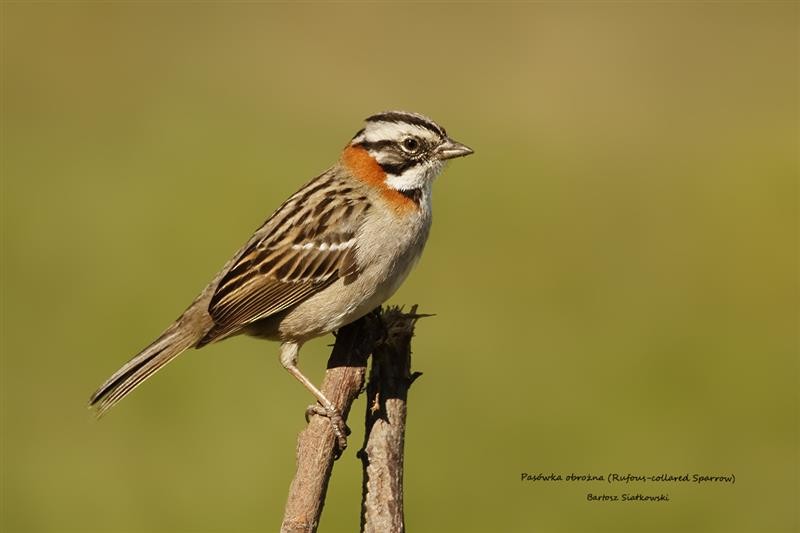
261 295
285 268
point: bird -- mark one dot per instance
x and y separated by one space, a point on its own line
332 252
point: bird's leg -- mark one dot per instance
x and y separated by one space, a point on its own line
289 353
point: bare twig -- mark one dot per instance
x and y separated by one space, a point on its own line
383 452
316 445
387 335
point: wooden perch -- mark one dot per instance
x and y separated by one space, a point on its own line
316 445
386 335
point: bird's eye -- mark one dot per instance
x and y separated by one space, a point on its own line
411 144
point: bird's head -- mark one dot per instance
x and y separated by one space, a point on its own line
410 149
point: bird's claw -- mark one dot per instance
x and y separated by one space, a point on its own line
340 429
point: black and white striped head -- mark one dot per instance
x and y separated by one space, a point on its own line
409 147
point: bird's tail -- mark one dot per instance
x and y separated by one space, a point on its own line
167 347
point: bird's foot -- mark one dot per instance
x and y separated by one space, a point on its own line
340 429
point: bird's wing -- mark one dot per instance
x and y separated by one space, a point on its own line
305 246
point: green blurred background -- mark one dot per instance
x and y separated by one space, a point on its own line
614 272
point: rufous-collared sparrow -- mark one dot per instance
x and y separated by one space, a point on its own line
331 253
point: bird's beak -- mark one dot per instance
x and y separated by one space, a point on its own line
451 149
